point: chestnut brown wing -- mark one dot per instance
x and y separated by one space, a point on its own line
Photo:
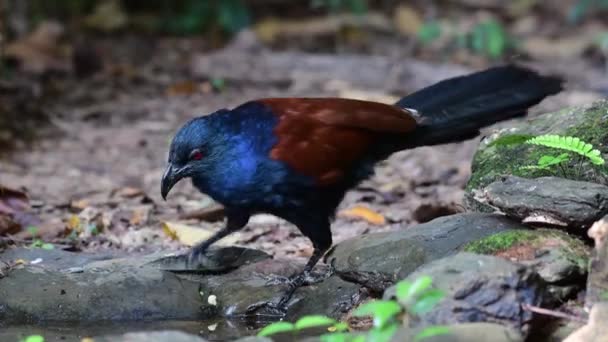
323 137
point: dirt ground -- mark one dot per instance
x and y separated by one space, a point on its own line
94 181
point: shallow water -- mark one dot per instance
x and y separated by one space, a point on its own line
74 332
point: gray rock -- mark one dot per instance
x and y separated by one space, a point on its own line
155 336
396 254
548 200
493 161
560 259
466 332
139 288
480 288
64 286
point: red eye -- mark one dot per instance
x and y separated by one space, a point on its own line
196 155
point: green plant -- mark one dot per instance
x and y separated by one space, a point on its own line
358 7
489 38
33 338
583 7
413 299
37 242
429 32
582 149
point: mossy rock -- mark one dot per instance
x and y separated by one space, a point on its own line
494 160
559 258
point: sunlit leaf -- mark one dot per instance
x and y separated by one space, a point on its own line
361 212
418 286
382 311
382 335
426 302
275 328
34 338
403 290
314 321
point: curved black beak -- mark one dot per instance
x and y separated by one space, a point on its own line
170 177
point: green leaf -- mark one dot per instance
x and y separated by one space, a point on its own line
432 331
382 311
420 285
275 328
489 38
382 335
33 230
233 15
546 161
403 290
511 139
426 302
428 32
339 327
567 143
314 321
34 338
47 246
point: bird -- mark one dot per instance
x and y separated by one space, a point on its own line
296 157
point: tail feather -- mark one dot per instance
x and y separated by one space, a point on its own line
457 108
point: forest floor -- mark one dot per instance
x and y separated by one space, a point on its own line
93 177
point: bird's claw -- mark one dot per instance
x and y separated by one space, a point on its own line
270 309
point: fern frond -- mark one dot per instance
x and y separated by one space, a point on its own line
572 144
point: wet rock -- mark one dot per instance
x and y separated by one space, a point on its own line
596 329
62 286
397 254
156 336
493 161
560 259
233 294
481 288
466 332
548 201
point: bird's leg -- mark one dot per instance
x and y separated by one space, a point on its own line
321 239
235 221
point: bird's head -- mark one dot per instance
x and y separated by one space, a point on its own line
193 153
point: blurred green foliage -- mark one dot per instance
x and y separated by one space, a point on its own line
358 7
488 38
582 8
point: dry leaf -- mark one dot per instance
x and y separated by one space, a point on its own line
74 223
13 211
183 88
190 236
129 192
361 212
407 20
40 51
108 16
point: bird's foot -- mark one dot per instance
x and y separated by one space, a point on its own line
304 278
269 309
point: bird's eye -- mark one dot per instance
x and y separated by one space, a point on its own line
196 155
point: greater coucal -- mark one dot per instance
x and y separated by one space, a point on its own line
296 157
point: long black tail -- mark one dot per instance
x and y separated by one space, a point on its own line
457 108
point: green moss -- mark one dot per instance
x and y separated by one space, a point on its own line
494 161
573 249
500 241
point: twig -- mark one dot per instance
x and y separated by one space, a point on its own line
553 313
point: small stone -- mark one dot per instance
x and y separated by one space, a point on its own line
212 300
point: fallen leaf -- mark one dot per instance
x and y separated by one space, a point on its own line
74 223
361 212
184 88
190 236
14 205
41 50
79 204
129 192
407 20
108 16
